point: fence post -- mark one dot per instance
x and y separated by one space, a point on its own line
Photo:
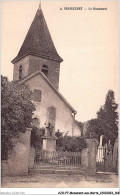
115 156
92 145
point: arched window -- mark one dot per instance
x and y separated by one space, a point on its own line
20 71
45 69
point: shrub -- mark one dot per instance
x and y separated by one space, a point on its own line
73 144
36 137
69 143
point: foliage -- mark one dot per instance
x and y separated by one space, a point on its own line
92 129
58 134
69 143
73 144
16 112
36 137
59 141
108 117
106 122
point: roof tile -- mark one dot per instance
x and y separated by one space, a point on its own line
38 40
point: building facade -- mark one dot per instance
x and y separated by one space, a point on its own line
38 66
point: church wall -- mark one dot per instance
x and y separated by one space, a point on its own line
64 118
25 64
76 129
35 64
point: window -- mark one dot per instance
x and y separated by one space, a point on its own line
37 95
45 70
20 71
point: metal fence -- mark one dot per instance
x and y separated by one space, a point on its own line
58 158
104 161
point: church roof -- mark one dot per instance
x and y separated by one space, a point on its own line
38 40
49 83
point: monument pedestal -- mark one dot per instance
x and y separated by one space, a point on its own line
49 143
49 138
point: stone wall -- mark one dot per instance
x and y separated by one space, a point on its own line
31 157
88 156
18 161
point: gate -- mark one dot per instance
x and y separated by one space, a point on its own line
105 160
58 158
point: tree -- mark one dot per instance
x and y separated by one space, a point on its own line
108 118
93 129
106 122
16 112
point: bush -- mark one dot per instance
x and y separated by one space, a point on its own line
69 143
73 144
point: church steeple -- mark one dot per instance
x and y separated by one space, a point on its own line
38 40
39 48
39 5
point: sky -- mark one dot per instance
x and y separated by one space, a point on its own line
87 41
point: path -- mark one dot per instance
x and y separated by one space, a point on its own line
101 180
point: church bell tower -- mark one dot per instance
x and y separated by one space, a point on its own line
38 53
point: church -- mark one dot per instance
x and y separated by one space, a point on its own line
38 66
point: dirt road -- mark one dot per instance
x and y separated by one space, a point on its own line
101 180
